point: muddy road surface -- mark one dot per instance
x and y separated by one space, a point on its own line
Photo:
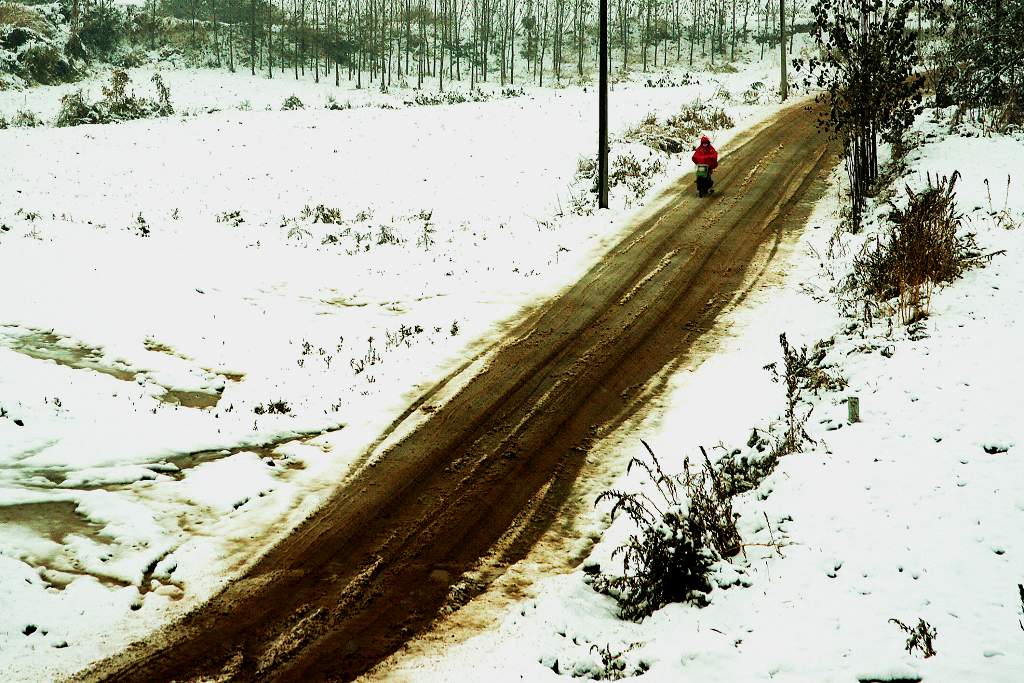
379 561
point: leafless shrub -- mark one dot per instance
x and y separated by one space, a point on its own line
321 214
24 118
117 104
1004 118
684 525
740 472
427 230
403 335
921 249
232 218
752 95
920 637
678 131
141 226
278 407
711 504
1020 586
581 204
1003 217
801 371
586 168
637 174
386 235
371 357
613 664
723 68
667 81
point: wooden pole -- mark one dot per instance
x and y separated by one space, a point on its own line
783 82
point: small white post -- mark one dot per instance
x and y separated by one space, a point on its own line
853 409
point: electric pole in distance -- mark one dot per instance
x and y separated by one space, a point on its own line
783 82
602 114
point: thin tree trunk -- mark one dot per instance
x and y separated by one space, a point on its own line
252 36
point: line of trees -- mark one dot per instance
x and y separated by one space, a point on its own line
979 62
384 42
868 67
875 56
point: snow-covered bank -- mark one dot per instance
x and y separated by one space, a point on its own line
912 513
192 302
198 91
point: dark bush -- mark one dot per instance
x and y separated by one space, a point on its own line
75 111
133 59
13 37
102 28
25 119
744 471
45 64
74 49
292 102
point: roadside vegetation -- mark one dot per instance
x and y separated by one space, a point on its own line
908 239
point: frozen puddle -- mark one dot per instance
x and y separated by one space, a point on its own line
49 346
128 533
50 532
55 520
275 454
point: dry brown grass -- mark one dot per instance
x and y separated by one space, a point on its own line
18 15
922 248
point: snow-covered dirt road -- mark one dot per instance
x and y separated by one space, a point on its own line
505 439
209 327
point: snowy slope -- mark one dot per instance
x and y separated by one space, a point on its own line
915 512
196 348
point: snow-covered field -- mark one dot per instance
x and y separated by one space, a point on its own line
913 513
195 347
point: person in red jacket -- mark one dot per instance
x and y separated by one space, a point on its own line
705 155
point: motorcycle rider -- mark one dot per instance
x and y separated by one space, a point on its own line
705 155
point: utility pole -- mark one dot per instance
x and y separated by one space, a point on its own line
602 114
783 83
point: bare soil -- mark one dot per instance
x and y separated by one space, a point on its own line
385 555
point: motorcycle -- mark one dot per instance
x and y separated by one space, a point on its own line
704 181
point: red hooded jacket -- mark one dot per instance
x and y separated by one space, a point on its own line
706 154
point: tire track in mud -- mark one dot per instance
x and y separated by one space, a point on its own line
385 554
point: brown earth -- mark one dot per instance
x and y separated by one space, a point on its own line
385 554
